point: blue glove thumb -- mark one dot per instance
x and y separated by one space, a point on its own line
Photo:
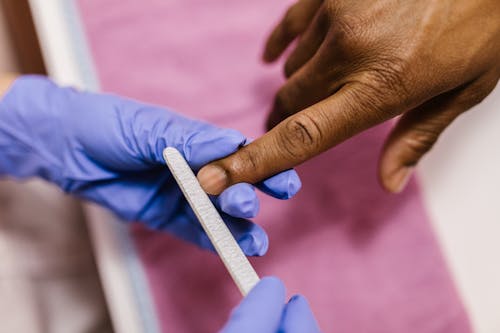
264 311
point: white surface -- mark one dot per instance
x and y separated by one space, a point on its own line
461 184
223 241
63 44
69 63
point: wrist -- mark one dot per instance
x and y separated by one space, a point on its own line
26 126
6 80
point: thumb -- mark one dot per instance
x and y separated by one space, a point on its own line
293 141
419 129
261 311
414 135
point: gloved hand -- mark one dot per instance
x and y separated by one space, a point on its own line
108 150
264 311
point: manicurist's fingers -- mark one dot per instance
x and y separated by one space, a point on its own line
261 310
298 317
251 237
239 200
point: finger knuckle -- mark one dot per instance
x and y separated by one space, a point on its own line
348 31
389 73
237 166
302 134
366 99
386 81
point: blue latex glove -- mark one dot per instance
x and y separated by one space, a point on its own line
108 149
264 311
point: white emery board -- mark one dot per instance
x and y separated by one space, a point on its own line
223 241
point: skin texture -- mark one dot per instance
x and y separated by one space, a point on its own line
359 63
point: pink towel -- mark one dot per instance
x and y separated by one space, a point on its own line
367 261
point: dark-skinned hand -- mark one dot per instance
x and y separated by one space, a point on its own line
358 63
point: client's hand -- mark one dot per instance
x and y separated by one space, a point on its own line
360 62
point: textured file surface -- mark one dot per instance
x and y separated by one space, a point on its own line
224 243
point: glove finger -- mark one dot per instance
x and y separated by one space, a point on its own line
239 200
209 144
281 186
161 206
155 129
260 311
251 237
147 197
298 317
183 228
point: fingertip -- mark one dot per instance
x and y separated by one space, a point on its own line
213 179
294 184
283 186
254 245
265 57
239 200
299 299
260 242
393 174
271 284
261 310
270 55
397 180
298 316
252 238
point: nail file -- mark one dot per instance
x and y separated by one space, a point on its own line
223 241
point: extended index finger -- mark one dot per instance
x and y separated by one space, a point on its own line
295 140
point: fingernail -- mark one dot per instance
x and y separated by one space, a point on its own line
213 179
401 178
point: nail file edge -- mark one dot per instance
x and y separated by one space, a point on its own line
219 234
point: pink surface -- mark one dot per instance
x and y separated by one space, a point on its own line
367 261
